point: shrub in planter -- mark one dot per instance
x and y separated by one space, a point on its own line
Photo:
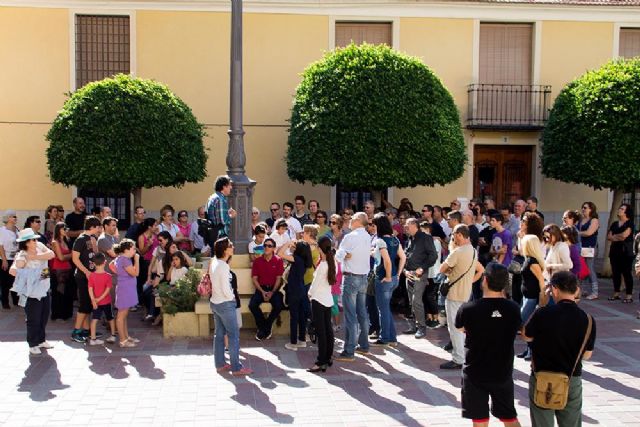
182 296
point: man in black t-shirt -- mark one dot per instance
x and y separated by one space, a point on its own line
84 248
75 220
490 325
556 333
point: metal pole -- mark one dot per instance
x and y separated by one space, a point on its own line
241 198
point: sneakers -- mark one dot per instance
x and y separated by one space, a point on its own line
34 350
242 372
45 344
259 336
361 350
127 344
301 344
290 346
591 297
420 333
433 324
224 368
448 347
111 339
410 331
379 343
77 336
269 334
96 342
344 357
133 340
450 365
392 344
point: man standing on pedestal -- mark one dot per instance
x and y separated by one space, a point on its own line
219 213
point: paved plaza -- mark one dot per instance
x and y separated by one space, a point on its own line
173 382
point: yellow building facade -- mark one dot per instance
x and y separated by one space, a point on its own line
186 45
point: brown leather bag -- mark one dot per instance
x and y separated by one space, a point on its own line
552 388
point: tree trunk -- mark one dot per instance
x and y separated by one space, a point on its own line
137 197
613 216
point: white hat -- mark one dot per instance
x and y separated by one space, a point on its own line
27 234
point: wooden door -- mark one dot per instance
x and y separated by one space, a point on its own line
502 173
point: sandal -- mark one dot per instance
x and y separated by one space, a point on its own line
127 343
614 298
592 297
627 300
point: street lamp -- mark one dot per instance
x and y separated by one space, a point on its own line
241 198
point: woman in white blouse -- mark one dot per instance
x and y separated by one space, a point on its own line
223 306
321 303
558 255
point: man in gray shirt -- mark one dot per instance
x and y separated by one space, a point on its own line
108 238
354 253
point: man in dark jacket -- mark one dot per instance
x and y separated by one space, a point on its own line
421 255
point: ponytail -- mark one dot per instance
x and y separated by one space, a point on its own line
325 246
124 245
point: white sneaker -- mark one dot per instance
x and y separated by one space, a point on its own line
96 342
301 344
112 339
45 344
290 346
35 350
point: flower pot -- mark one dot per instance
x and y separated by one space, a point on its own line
180 325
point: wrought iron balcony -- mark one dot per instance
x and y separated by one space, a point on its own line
508 107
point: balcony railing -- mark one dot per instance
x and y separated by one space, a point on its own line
509 107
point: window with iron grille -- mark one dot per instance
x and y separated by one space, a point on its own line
102 47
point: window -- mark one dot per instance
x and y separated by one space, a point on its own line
102 47
361 32
506 53
629 42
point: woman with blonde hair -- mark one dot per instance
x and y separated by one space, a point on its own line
533 286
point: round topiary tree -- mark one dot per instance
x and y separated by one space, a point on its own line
591 137
124 134
368 116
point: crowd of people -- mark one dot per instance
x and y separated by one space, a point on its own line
486 273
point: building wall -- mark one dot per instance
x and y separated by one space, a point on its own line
188 50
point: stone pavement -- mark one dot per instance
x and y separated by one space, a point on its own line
173 382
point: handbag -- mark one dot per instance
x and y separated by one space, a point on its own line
552 388
515 267
584 270
444 285
588 252
204 287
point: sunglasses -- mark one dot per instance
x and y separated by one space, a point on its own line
348 213
183 216
37 221
425 210
274 210
269 246
332 222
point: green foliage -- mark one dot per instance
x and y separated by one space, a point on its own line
182 296
368 116
592 134
122 133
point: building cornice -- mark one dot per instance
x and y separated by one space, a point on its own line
374 8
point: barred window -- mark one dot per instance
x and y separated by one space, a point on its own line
102 47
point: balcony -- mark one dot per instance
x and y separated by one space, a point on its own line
508 107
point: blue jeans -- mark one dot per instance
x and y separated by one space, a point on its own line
528 307
354 300
384 290
224 315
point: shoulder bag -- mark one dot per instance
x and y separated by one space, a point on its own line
204 287
552 388
444 285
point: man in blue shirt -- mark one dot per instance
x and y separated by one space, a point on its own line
219 213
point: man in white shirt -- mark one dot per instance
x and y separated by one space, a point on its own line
194 236
8 250
295 229
354 253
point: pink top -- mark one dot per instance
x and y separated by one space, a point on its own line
154 244
335 288
56 264
186 232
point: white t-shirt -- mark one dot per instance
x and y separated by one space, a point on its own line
435 268
320 289
8 242
177 274
280 239
294 227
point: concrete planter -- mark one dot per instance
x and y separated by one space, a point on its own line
180 325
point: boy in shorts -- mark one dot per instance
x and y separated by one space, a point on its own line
100 294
